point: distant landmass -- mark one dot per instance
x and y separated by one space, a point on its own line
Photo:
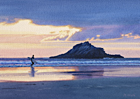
86 51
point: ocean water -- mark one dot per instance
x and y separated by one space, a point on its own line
46 62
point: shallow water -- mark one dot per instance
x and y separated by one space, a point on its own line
28 74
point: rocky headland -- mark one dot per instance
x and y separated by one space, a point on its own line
86 51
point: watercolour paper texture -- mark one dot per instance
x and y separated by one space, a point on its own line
85 33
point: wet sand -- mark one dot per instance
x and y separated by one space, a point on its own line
27 74
31 74
99 88
70 83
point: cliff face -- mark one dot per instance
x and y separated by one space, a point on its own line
86 51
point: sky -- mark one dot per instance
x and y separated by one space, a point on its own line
50 27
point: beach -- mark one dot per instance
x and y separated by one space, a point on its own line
99 88
71 82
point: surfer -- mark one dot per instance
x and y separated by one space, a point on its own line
32 68
32 60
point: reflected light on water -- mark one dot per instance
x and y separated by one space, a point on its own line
34 74
27 74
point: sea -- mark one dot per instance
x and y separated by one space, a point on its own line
46 62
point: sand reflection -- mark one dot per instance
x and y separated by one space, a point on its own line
86 72
49 73
29 74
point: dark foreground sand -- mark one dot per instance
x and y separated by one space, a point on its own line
97 88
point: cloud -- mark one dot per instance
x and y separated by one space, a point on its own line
27 27
74 12
68 32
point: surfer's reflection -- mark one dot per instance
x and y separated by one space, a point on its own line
32 71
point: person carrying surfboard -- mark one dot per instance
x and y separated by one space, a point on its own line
32 60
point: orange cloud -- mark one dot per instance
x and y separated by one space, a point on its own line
98 39
129 35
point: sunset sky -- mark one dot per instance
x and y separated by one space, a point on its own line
50 27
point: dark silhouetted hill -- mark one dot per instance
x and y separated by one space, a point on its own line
86 51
